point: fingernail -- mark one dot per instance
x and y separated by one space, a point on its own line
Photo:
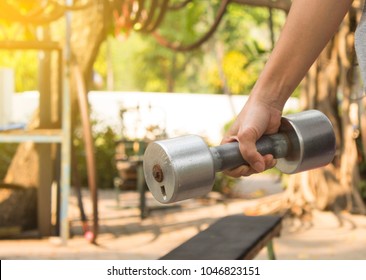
258 166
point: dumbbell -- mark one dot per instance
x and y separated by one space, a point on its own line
184 167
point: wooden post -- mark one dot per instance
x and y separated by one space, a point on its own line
46 152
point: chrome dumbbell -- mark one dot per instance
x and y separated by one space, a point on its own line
184 167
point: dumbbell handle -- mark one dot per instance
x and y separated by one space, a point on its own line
228 155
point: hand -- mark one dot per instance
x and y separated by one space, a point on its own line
255 119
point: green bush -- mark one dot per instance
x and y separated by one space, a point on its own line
7 151
104 144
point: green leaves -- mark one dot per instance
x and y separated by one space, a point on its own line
244 33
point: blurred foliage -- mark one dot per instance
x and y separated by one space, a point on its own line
239 73
7 151
24 6
24 63
139 63
105 144
25 68
223 184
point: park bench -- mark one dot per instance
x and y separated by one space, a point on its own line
235 237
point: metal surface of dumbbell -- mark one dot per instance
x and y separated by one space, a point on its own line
184 167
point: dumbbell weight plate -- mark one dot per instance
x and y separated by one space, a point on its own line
312 136
178 168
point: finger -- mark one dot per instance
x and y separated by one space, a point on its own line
245 170
238 172
269 161
247 139
249 172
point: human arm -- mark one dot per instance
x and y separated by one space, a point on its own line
309 26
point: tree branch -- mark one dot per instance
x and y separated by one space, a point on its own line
278 4
177 46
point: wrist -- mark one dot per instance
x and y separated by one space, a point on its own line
272 94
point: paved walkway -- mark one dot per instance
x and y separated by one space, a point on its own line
123 235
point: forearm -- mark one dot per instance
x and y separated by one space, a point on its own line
309 26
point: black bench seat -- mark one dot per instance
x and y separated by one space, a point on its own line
230 238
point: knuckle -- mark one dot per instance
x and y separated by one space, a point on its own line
248 134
